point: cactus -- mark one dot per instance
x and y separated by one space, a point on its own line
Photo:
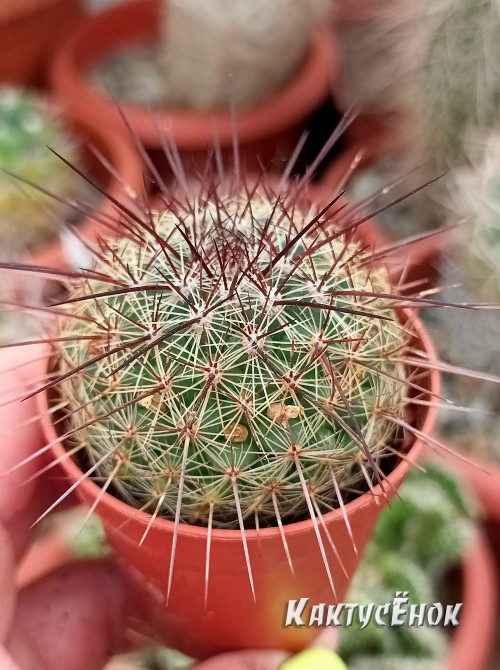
459 93
433 63
260 370
473 265
426 531
226 53
374 49
27 128
475 197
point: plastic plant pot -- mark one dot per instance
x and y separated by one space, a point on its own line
30 30
230 618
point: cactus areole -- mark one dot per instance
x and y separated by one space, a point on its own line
235 389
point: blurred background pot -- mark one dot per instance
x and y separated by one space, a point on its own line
30 31
269 129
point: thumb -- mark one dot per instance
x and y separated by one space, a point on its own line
74 619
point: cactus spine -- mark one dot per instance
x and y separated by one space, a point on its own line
232 363
226 53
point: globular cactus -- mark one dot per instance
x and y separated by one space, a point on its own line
427 530
475 197
459 91
433 65
233 361
227 53
27 128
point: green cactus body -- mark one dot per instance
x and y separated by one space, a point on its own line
27 128
238 370
227 53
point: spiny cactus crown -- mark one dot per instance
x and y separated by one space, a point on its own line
233 360
27 128
234 52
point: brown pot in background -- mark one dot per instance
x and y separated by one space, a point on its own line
473 640
268 130
30 31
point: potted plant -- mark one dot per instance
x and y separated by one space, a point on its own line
264 439
473 263
418 543
35 133
290 73
429 89
429 529
29 32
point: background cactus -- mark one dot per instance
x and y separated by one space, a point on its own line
473 266
459 92
375 50
27 127
433 65
426 531
475 197
228 53
259 371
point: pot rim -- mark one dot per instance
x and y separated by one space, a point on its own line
92 490
192 129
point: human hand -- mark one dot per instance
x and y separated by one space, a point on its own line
76 617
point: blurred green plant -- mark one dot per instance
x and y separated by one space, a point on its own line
424 533
28 128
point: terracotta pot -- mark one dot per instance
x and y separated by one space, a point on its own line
483 478
124 177
30 30
416 263
482 475
232 620
269 129
473 640
471 645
